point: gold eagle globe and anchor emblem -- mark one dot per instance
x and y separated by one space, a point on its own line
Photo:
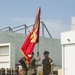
34 36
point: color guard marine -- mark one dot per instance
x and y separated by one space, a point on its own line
24 66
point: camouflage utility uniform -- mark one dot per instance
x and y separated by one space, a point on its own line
24 66
32 70
47 65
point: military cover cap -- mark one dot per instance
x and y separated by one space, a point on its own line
46 52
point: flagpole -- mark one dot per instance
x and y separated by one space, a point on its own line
37 56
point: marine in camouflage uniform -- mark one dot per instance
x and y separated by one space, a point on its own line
47 64
22 61
32 69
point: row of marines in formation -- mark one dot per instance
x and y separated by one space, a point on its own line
47 65
9 71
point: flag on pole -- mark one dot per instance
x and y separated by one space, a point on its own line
31 39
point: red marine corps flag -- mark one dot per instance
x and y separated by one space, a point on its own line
32 39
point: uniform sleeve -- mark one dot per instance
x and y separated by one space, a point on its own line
33 59
51 61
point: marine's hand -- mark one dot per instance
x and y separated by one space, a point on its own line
38 58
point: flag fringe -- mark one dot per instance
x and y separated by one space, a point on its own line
25 57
